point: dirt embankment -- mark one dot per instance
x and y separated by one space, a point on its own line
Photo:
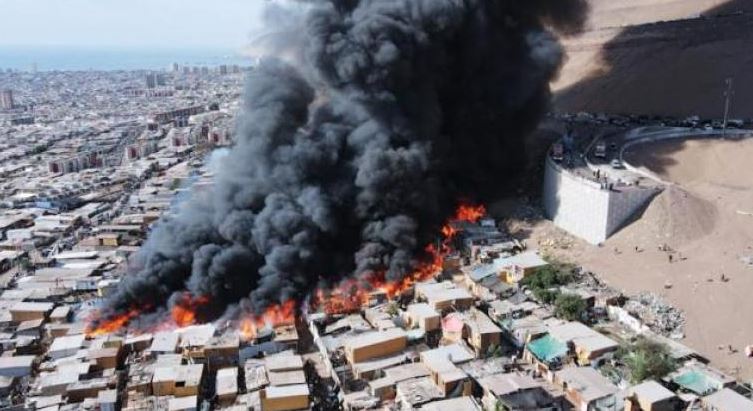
675 217
656 57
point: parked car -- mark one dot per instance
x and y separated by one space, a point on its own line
616 164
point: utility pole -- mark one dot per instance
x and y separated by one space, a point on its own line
727 101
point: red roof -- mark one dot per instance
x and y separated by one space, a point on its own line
452 323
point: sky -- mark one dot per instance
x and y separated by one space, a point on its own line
224 24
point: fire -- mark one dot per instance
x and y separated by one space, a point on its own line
449 231
273 316
465 213
184 312
352 294
349 296
99 327
470 213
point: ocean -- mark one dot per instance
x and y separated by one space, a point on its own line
79 58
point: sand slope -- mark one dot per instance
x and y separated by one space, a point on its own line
674 67
705 219
675 217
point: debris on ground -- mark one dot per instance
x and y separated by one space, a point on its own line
661 317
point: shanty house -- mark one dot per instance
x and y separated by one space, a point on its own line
255 374
444 296
386 387
727 400
375 344
483 333
56 382
107 400
414 393
18 366
651 396
423 316
587 389
453 327
65 346
60 314
453 404
285 398
284 361
519 392
443 362
30 328
25 311
180 380
81 390
509 269
10 257
514 269
164 342
105 358
227 385
222 351
188 403
193 339
589 345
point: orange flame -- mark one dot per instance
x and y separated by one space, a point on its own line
98 327
184 312
349 296
470 213
352 294
449 231
273 316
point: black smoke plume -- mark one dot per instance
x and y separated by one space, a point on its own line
348 161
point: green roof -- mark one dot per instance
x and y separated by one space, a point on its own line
547 348
697 382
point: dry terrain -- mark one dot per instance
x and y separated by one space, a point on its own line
706 219
658 57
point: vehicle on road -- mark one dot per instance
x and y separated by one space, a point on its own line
600 150
616 164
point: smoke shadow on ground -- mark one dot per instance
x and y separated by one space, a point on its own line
656 158
673 68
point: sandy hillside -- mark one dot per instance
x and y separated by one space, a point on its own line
704 219
618 13
646 57
676 217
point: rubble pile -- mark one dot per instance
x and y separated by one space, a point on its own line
661 317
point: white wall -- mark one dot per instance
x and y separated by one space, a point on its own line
580 207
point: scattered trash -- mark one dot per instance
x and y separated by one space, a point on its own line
657 315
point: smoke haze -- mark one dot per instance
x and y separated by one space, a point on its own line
348 161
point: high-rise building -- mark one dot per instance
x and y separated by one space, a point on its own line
161 79
174 67
6 99
223 69
151 80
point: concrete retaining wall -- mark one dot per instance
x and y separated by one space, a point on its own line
584 209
